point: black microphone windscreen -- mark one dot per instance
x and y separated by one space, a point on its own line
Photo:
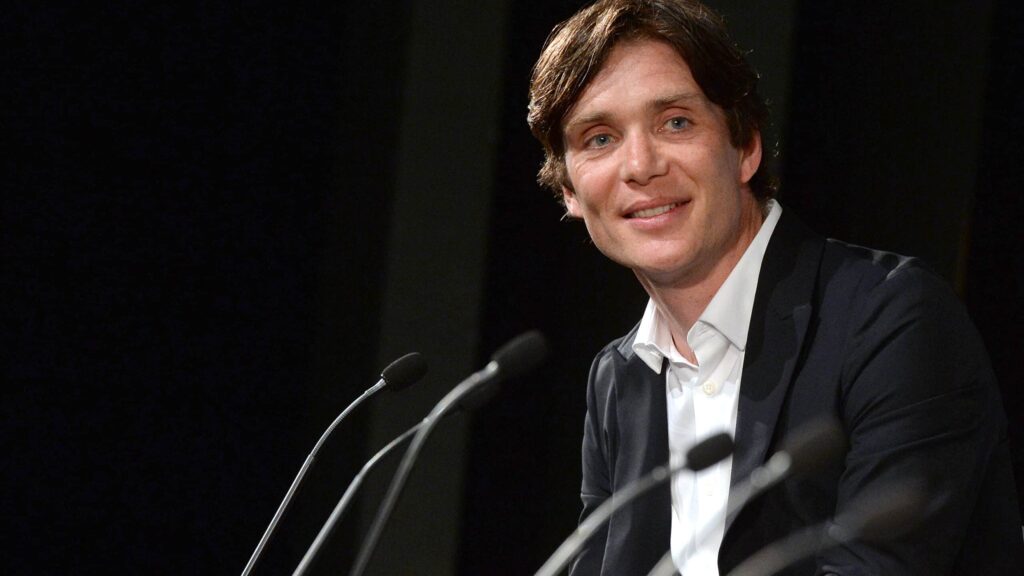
709 451
521 354
815 445
405 371
883 513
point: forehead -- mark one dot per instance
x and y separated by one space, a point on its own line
635 73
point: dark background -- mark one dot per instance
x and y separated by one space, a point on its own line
220 221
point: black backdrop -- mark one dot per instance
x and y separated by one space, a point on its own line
195 213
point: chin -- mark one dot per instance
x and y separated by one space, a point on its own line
668 268
664 263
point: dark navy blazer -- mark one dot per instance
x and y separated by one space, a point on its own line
871 338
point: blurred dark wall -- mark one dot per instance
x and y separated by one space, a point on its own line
993 276
212 238
192 206
884 138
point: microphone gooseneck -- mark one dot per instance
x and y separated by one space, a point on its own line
398 375
810 447
515 358
702 455
471 401
339 509
881 514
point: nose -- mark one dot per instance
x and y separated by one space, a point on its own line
642 161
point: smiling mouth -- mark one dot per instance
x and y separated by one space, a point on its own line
652 212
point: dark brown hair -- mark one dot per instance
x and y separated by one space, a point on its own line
577 49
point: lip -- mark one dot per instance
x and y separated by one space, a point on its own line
673 207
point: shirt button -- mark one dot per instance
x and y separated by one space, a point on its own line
709 387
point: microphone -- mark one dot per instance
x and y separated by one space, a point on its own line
517 357
810 447
404 372
346 500
879 515
468 403
400 374
704 454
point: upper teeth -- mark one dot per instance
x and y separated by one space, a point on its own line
654 211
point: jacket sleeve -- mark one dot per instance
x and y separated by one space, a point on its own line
596 486
918 400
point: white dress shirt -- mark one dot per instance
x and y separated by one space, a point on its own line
702 400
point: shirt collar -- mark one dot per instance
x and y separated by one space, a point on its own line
729 311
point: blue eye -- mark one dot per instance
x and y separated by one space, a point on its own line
677 123
599 141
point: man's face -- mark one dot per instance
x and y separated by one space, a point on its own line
654 175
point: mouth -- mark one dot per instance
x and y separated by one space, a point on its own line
657 211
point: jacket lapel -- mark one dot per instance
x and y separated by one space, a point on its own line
642 407
781 314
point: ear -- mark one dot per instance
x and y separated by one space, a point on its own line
750 158
572 205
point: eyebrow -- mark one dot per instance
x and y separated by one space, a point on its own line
658 103
675 99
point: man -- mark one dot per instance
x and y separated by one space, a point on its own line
651 125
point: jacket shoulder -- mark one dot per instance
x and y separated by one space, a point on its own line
858 281
610 360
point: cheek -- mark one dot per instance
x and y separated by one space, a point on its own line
593 177
728 167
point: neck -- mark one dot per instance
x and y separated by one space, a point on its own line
683 299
